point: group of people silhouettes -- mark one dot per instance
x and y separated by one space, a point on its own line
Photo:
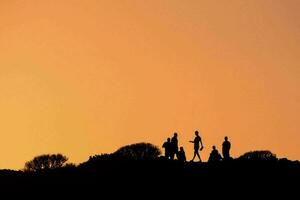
172 150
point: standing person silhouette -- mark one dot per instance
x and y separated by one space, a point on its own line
197 141
226 148
174 146
167 147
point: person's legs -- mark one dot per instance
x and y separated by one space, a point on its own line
196 152
176 155
172 155
198 155
169 155
226 155
194 155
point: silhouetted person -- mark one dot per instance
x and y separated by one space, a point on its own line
167 146
197 141
226 148
181 155
214 155
174 146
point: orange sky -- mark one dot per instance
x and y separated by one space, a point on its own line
86 77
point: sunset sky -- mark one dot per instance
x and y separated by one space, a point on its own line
84 77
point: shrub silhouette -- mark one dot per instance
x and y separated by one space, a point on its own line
139 151
69 165
45 162
258 156
104 157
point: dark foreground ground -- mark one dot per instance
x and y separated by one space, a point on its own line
158 179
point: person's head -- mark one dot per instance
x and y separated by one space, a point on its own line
169 139
226 138
196 133
175 134
181 149
214 147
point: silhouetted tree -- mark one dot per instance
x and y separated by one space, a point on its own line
259 156
44 162
139 151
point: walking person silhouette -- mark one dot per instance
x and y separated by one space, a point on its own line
197 141
226 148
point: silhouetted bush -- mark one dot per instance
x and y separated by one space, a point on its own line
258 156
101 157
70 165
44 162
139 151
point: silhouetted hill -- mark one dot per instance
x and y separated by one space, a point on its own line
103 173
138 169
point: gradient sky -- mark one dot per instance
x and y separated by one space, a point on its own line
86 77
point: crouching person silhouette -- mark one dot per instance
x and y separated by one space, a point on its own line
181 155
214 155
